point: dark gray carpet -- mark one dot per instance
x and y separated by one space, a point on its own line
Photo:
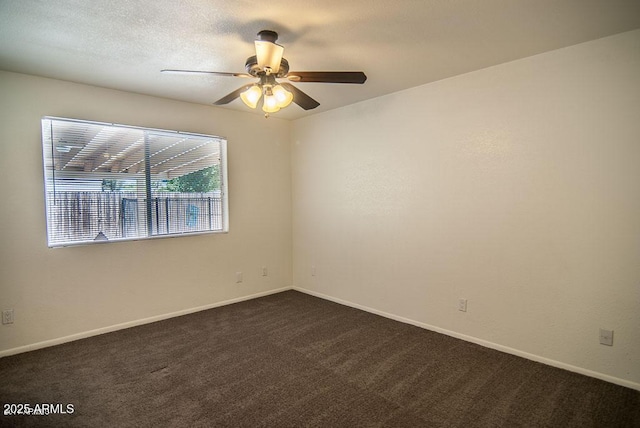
293 360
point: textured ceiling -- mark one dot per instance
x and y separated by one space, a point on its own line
123 44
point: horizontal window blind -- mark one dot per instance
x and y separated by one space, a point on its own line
106 182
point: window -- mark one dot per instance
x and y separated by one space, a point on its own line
106 182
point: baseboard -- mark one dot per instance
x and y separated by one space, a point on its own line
482 342
109 329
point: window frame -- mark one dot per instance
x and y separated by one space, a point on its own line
49 180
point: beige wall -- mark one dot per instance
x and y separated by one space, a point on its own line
516 187
70 291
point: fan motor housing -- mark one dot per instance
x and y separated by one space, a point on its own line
252 67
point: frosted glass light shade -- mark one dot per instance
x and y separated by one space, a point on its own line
270 104
251 96
283 97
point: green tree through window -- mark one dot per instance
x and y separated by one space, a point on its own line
205 180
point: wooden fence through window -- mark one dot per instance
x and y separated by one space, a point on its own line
82 216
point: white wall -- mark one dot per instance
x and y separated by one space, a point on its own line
69 291
516 187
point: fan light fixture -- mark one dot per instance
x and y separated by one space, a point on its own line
268 64
275 97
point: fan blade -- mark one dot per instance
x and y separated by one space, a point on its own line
269 55
233 95
300 98
215 73
327 76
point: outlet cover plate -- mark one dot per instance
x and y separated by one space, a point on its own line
7 316
606 337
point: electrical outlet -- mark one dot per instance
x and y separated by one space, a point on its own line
265 272
313 271
606 337
7 316
462 305
238 277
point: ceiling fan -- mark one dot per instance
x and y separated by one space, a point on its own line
268 65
